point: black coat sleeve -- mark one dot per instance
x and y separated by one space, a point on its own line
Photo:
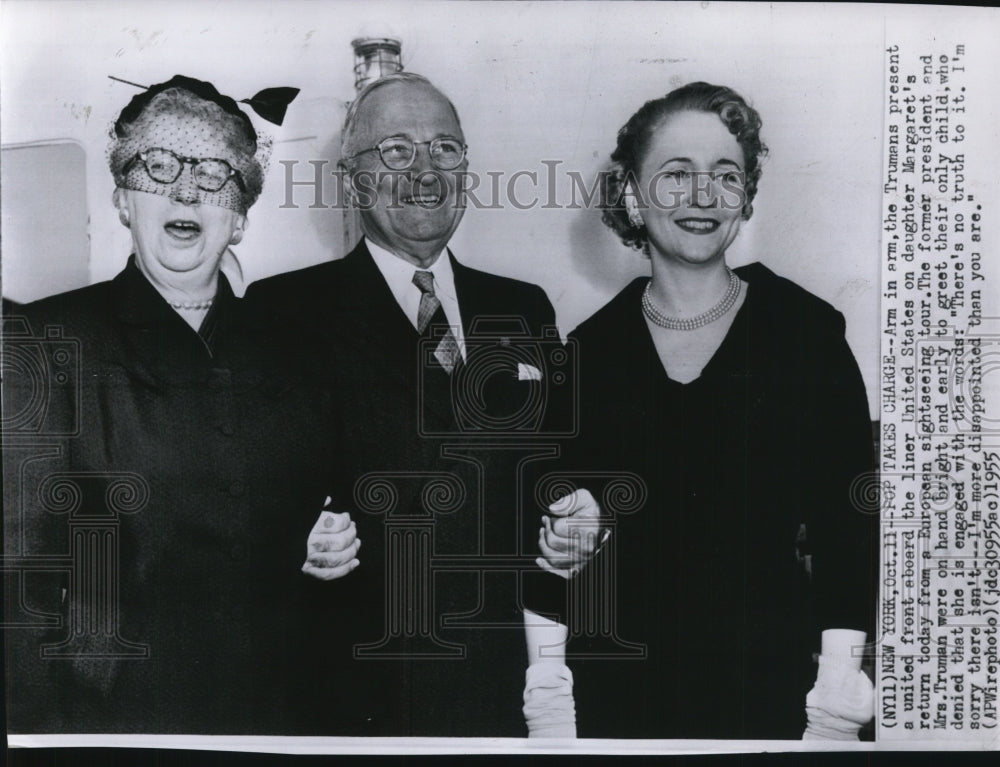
844 515
579 454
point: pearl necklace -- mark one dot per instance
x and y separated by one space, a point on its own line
692 323
196 306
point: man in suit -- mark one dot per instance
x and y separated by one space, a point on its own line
443 376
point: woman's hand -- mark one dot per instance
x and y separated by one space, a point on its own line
332 546
843 699
570 535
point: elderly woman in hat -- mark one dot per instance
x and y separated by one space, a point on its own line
187 622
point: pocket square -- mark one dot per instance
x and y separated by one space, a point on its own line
528 372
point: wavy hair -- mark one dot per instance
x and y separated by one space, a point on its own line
635 136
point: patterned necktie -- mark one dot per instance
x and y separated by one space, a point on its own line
430 312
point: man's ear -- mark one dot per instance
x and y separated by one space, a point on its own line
347 181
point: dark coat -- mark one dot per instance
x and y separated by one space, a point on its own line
452 660
743 535
216 443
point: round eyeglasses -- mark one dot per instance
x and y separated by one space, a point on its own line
164 166
399 152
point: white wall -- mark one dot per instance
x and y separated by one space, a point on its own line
532 82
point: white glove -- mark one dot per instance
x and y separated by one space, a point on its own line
841 701
549 708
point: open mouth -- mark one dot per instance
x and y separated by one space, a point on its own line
698 225
423 200
183 229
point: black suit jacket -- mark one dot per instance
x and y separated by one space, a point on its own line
426 634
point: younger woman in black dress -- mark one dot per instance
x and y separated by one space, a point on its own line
734 397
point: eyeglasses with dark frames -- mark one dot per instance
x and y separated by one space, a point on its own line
164 166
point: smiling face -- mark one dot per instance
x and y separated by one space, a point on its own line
180 231
178 242
689 179
412 213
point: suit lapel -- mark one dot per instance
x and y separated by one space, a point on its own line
370 322
375 330
498 336
470 301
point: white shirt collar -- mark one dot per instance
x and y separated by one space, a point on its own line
398 275
397 272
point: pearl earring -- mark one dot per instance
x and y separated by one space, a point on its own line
634 217
123 217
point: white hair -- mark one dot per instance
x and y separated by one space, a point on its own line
347 136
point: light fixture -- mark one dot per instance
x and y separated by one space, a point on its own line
375 57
